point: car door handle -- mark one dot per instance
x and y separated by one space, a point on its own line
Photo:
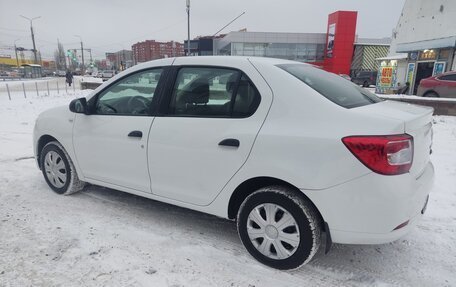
230 142
135 134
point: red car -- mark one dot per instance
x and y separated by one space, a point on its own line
443 85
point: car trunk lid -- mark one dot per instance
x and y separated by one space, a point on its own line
417 122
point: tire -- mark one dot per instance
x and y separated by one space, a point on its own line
431 95
365 84
58 169
261 235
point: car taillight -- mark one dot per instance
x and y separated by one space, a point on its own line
388 155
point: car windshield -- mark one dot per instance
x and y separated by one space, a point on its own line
333 87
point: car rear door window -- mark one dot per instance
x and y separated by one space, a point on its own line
247 99
213 92
331 86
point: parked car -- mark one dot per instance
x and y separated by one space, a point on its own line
345 76
287 150
47 73
443 85
365 78
61 73
107 74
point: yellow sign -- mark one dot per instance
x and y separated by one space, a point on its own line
386 76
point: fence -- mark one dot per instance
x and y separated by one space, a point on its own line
442 106
38 87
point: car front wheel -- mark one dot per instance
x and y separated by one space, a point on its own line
279 228
58 169
431 95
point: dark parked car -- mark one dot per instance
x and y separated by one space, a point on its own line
365 78
443 85
346 77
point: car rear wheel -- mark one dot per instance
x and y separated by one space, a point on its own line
58 169
279 228
365 84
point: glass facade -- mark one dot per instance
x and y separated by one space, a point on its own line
303 52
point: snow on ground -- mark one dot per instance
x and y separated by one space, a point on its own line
102 237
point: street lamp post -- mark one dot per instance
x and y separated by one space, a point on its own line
15 51
39 53
188 27
82 53
33 35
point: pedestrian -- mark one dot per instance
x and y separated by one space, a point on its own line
402 90
69 77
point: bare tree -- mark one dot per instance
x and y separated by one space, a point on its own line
59 57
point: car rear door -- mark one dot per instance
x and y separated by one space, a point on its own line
210 121
111 143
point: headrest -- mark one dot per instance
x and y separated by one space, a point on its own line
198 93
231 82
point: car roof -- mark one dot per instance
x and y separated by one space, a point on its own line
212 60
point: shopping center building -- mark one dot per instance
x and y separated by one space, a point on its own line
423 44
338 50
303 47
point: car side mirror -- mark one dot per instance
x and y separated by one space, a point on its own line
79 106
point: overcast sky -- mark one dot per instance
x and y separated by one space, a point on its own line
112 25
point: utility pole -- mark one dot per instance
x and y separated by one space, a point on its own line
82 54
90 53
188 27
33 35
15 50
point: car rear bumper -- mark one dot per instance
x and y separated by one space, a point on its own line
369 209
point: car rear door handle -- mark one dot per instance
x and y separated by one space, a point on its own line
135 134
230 142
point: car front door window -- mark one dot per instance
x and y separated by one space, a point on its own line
132 95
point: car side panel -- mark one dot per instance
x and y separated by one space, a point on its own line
300 143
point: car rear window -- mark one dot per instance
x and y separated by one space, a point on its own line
333 87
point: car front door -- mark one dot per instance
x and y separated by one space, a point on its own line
447 86
111 142
212 117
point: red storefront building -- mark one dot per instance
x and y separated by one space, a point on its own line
340 40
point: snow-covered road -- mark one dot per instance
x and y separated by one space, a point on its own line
102 237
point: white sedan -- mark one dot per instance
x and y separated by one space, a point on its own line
287 150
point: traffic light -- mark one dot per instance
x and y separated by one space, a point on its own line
72 55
